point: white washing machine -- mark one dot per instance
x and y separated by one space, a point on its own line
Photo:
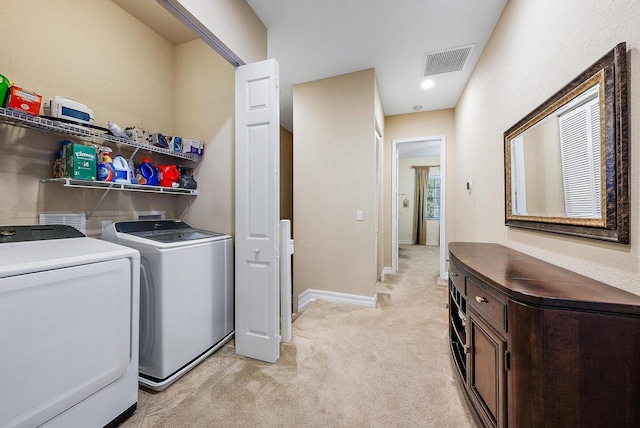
186 295
68 328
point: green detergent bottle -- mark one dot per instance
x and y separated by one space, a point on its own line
4 88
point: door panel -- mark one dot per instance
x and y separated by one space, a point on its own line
487 376
257 211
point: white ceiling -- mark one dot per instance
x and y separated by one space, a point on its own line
419 149
314 39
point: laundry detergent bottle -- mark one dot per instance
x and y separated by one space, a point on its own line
106 171
147 173
169 175
123 173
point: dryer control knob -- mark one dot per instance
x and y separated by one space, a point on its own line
11 232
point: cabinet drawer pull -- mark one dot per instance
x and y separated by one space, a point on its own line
454 274
481 299
467 349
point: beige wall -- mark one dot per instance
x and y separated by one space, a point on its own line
107 59
92 51
102 56
286 175
234 23
536 48
415 125
333 178
205 103
206 111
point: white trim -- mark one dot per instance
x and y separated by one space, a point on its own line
286 251
519 188
444 281
405 242
182 13
310 295
388 270
394 208
444 251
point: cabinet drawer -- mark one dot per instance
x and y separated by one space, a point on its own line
457 277
487 304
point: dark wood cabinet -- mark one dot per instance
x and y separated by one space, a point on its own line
486 365
536 345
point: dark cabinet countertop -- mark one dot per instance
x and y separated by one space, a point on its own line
528 280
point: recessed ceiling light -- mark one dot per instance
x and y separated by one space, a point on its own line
417 107
427 84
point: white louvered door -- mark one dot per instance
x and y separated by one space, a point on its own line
581 161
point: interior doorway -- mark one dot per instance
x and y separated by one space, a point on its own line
431 146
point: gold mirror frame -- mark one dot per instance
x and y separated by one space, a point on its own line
610 72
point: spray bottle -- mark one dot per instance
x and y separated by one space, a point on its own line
106 171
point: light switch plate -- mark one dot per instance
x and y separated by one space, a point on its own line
359 215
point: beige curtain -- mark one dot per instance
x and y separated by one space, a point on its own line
419 213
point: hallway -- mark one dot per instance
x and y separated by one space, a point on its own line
347 366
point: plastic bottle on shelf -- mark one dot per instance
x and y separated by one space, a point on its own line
106 171
121 167
147 173
132 175
169 175
118 132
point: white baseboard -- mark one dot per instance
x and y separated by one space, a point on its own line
310 295
386 271
443 280
410 242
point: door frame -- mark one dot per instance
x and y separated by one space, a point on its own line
394 199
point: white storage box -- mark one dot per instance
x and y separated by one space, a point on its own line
189 145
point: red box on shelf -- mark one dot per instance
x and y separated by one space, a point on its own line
28 102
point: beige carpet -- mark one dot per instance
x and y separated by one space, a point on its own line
346 366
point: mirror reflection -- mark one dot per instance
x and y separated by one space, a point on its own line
567 162
556 164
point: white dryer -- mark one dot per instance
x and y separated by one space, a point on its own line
69 310
186 295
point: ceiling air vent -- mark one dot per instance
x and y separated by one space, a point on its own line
447 60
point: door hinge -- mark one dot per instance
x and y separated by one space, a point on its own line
507 361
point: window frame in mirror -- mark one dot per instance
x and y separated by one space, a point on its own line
611 72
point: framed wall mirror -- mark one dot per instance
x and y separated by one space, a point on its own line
566 163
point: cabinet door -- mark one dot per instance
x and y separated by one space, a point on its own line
487 376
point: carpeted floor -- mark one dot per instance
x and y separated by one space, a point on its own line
346 366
